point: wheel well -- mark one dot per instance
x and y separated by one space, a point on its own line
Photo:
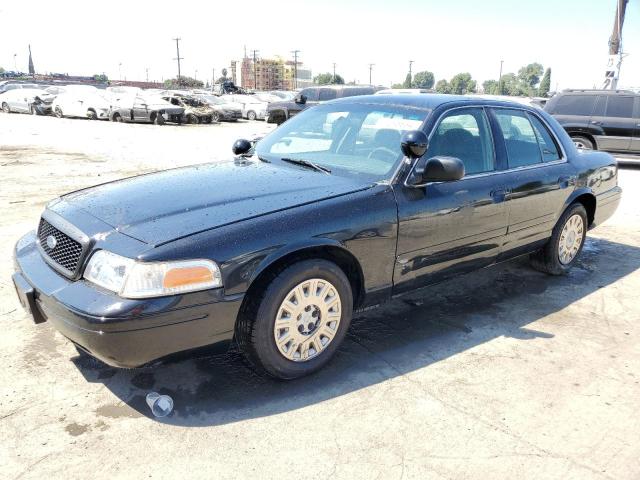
584 134
588 201
342 258
91 109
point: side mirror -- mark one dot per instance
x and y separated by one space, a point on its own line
241 146
437 169
302 99
414 144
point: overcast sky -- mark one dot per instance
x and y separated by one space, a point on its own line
444 36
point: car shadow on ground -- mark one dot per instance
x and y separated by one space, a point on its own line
401 337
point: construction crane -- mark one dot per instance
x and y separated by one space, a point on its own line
616 55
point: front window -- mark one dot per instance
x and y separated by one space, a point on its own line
355 140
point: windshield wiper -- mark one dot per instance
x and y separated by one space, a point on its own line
307 163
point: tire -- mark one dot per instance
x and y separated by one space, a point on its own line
215 117
206 120
92 115
583 143
117 118
5 107
32 110
58 112
192 119
549 258
251 115
158 119
256 330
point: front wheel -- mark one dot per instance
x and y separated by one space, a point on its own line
251 115
192 119
215 117
33 110
294 326
566 242
58 112
92 115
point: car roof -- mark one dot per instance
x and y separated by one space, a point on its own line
426 101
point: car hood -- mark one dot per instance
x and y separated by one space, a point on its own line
161 207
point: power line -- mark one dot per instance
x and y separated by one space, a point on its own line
178 57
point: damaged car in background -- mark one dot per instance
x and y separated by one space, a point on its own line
222 111
85 102
195 110
27 100
140 108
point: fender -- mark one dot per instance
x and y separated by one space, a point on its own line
297 247
582 128
576 193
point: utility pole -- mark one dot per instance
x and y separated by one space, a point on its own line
213 77
255 72
147 72
15 64
500 79
295 68
178 57
410 74
616 55
334 73
120 71
370 68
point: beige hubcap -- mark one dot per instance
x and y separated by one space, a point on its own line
570 239
307 320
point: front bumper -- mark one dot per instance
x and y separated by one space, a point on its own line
120 332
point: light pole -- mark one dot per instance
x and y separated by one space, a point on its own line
334 73
370 68
195 75
295 68
15 64
500 79
147 73
120 71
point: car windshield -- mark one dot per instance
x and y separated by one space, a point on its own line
213 99
358 140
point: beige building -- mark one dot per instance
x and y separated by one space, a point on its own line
273 74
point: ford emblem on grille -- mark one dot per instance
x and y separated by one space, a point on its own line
51 242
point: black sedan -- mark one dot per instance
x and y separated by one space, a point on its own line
344 206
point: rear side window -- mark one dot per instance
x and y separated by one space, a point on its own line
548 146
619 106
575 105
519 137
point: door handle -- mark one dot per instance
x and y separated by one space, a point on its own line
565 181
499 195
596 122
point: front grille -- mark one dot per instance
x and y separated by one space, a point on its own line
66 252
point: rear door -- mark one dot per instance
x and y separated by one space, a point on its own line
613 115
538 178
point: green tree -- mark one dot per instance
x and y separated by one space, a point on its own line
529 77
462 84
397 85
443 86
1 70
423 80
183 82
327 79
511 85
101 77
545 84
407 81
491 87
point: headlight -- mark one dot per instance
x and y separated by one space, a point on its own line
131 279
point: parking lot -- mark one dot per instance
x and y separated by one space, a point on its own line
503 373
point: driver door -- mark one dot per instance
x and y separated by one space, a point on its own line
448 228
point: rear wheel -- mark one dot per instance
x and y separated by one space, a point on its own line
33 110
566 242
5 107
92 115
215 117
117 118
295 324
158 119
192 119
251 115
58 112
582 143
